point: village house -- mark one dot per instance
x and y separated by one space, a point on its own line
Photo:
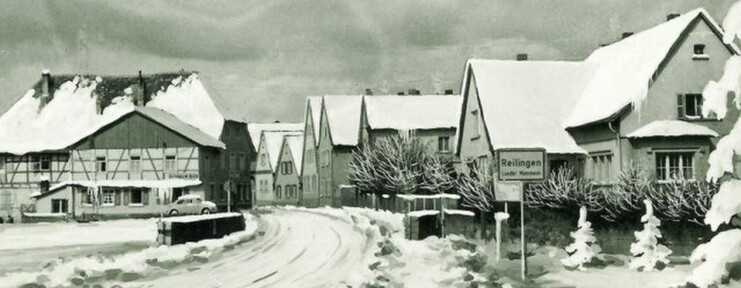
309 168
636 101
120 146
255 133
288 175
268 168
431 118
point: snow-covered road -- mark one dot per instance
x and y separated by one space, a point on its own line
297 249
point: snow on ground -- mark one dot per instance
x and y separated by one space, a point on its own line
115 269
45 235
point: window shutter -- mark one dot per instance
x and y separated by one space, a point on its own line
126 198
145 197
680 106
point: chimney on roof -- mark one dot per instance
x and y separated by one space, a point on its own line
45 83
400 93
448 91
626 35
521 57
141 95
368 91
671 16
413 91
276 121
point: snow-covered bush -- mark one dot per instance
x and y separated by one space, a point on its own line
399 164
564 189
623 199
724 250
585 247
647 252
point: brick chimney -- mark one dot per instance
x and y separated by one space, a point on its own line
521 57
626 35
45 83
142 93
368 91
671 16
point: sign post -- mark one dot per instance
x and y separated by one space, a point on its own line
518 165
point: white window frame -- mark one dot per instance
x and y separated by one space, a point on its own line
668 152
443 144
107 196
101 165
476 129
170 163
135 165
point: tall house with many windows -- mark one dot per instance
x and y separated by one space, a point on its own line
269 167
288 175
637 101
255 133
119 146
309 164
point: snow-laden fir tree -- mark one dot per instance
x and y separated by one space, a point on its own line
585 247
647 252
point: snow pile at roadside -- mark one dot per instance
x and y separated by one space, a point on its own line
130 266
44 235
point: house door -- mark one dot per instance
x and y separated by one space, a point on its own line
59 206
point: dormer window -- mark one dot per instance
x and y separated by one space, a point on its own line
689 106
698 52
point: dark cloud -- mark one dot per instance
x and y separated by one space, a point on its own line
264 57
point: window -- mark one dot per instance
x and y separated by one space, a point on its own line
286 167
45 162
277 192
601 167
443 144
59 206
242 161
475 118
40 163
135 164
674 166
108 198
699 49
325 158
170 163
232 161
689 106
136 197
100 164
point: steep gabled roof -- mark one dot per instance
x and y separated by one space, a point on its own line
314 105
413 112
70 111
256 129
343 115
296 146
523 103
273 143
626 68
178 126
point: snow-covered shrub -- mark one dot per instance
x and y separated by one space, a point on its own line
399 164
564 189
647 252
623 199
682 200
585 247
715 256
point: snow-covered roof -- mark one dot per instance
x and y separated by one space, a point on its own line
194 218
627 67
68 113
165 183
523 103
180 127
671 128
255 129
422 213
459 212
413 112
315 104
273 141
343 114
430 196
296 144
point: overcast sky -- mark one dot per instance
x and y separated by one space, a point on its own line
264 57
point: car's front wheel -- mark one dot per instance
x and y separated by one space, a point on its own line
173 212
206 211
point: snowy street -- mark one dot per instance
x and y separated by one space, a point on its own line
298 249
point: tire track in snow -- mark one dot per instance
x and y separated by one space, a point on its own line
297 249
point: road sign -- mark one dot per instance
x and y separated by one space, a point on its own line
510 191
521 164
